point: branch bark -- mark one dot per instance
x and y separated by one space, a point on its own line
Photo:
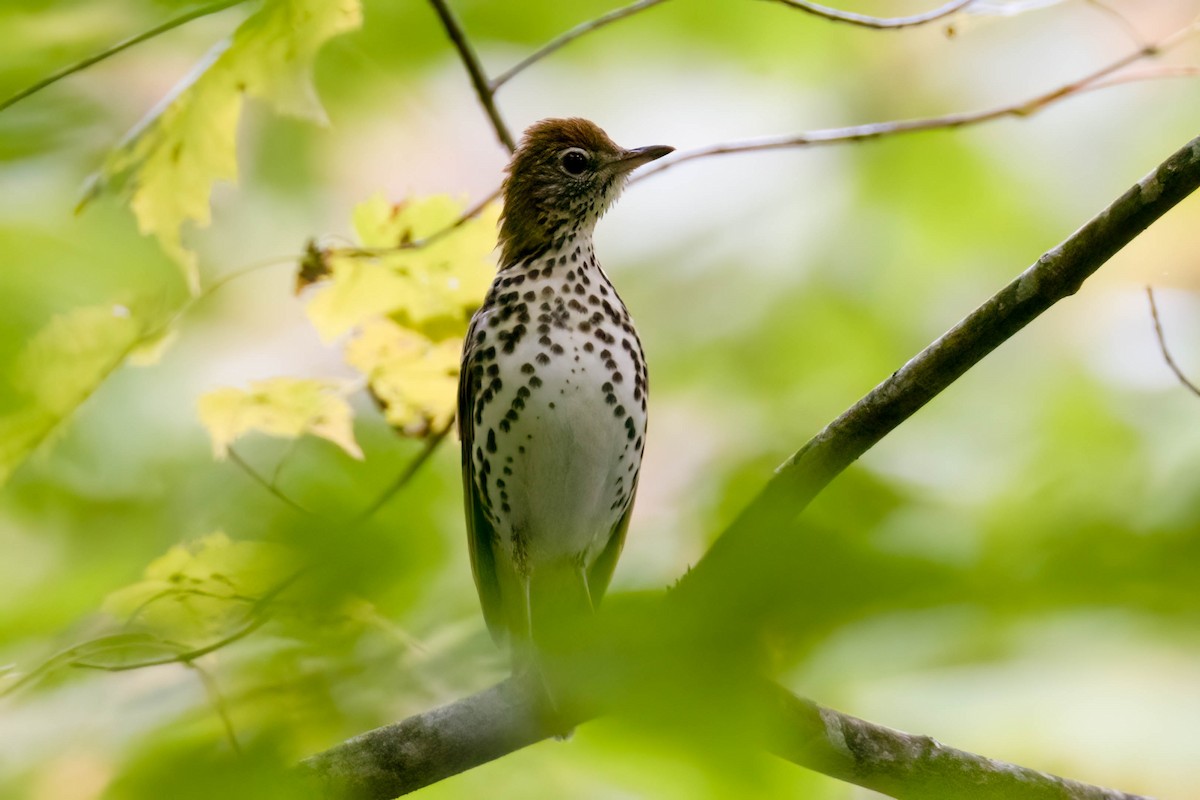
479 79
425 748
430 746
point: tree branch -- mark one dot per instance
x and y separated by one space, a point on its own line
425 748
475 69
878 23
1056 275
196 13
430 746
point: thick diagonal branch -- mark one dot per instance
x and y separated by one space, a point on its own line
1056 275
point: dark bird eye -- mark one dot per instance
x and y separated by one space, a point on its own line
574 162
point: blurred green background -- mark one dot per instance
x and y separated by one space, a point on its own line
1015 571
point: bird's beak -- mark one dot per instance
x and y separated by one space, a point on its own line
632 159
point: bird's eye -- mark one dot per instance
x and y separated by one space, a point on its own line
574 162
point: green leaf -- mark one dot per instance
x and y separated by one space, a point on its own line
172 158
283 407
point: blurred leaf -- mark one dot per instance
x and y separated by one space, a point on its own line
192 591
60 368
172 158
431 289
415 379
283 407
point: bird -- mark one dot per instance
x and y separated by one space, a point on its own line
552 394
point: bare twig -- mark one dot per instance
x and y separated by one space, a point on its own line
879 23
564 39
875 130
475 69
1162 345
196 13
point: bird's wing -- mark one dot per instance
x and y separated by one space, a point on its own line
602 569
480 533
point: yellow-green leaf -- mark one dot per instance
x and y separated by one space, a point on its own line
414 378
197 590
58 369
431 289
172 158
283 407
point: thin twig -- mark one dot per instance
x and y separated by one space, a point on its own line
875 130
257 616
475 69
185 657
202 11
217 701
564 39
266 484
878 23
410 471
1162 345
92 646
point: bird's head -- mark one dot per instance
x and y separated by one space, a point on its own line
563 176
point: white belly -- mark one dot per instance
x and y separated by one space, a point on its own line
568 451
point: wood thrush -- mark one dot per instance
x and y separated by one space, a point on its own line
552 393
